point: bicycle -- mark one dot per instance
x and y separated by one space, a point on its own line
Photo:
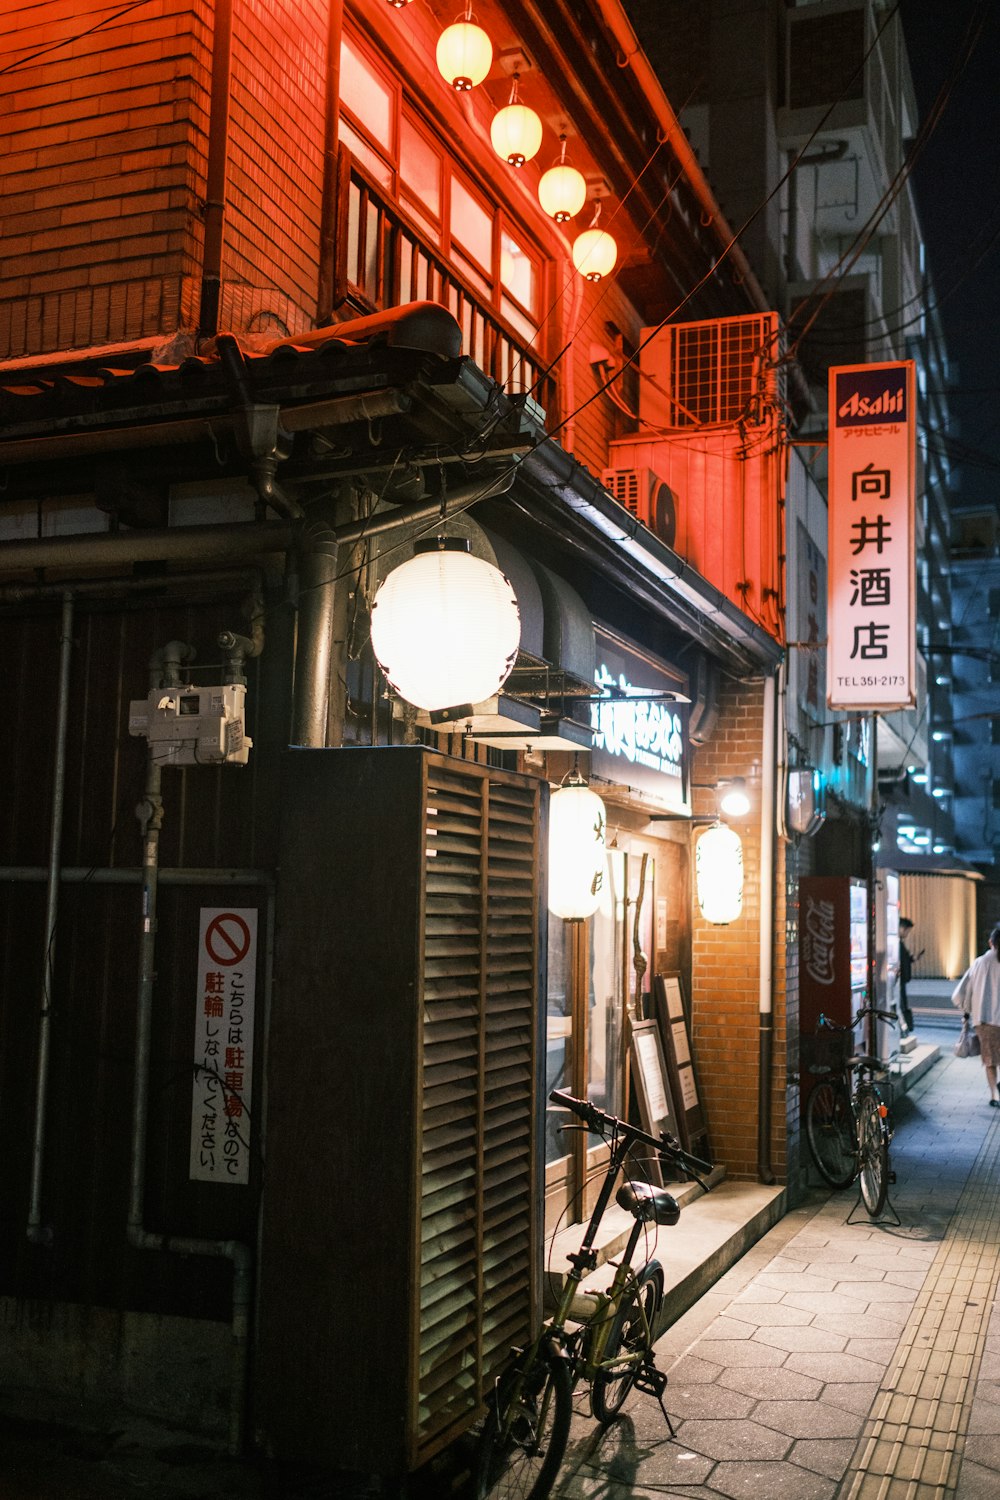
524 1435
849 1129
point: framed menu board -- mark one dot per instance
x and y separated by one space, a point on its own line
692 1128
652 1085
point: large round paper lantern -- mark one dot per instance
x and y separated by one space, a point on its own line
516 132
594 253
718 859
562 190
445 627
577 851
464 54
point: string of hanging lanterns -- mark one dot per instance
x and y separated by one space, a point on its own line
464 59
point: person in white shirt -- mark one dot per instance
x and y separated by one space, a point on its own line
978 995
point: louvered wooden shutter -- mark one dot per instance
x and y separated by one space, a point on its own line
408 1237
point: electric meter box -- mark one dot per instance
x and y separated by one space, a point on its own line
193 726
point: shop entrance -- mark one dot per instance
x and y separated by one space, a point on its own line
593 978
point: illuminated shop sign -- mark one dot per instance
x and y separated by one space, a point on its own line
640 738
870 616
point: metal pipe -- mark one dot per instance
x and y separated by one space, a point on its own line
314 643
125 875
325 294
766 1001
104 588
36 1233
218 157
165 664
169 544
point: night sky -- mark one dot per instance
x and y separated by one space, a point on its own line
957 183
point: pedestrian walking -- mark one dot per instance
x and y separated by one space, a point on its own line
906 962
978 996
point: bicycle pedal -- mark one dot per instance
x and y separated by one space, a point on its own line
652 1381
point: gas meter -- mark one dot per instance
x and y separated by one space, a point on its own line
193 726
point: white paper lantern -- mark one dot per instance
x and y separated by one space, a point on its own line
516 133
594 253
464 54
718 858
562 190
577 851
445 627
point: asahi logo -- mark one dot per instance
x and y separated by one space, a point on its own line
886 404
866 397
817 941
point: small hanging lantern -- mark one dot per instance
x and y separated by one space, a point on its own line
516 131
464 53
718 858
445 626
577 850
562 190
594 251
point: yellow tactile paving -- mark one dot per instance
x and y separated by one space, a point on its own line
912 1444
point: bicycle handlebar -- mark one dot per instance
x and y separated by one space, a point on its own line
866 1010
600 1123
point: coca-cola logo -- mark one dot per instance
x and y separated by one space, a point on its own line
817 941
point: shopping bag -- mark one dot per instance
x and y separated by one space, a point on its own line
968 1043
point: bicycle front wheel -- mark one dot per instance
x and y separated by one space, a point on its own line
629 1340
873 1153
525 1433
830 1133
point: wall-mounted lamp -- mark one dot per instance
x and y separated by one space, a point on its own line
464 53
718 862
445 626
805 809
577 849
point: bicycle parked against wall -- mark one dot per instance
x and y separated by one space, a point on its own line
848 1124
602 1337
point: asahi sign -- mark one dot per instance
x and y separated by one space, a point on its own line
871 633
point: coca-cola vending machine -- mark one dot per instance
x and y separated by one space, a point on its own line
833 966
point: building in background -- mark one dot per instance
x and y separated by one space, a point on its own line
804 119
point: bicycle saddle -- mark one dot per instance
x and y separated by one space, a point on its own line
861 1061
648 1203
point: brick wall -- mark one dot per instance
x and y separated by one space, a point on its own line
103 150
726 965
100 149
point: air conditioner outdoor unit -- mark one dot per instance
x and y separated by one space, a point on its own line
647 496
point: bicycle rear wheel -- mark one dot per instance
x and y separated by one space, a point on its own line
631 1334
831 1134
873 1152
525 1433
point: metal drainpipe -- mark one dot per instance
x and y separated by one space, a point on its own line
215 183
165 671
328 226
36 1233
314 642
766 999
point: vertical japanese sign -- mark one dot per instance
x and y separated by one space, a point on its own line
223 1045
871 628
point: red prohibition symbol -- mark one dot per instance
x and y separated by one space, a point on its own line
227 939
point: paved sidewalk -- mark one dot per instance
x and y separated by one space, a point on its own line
838 1359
